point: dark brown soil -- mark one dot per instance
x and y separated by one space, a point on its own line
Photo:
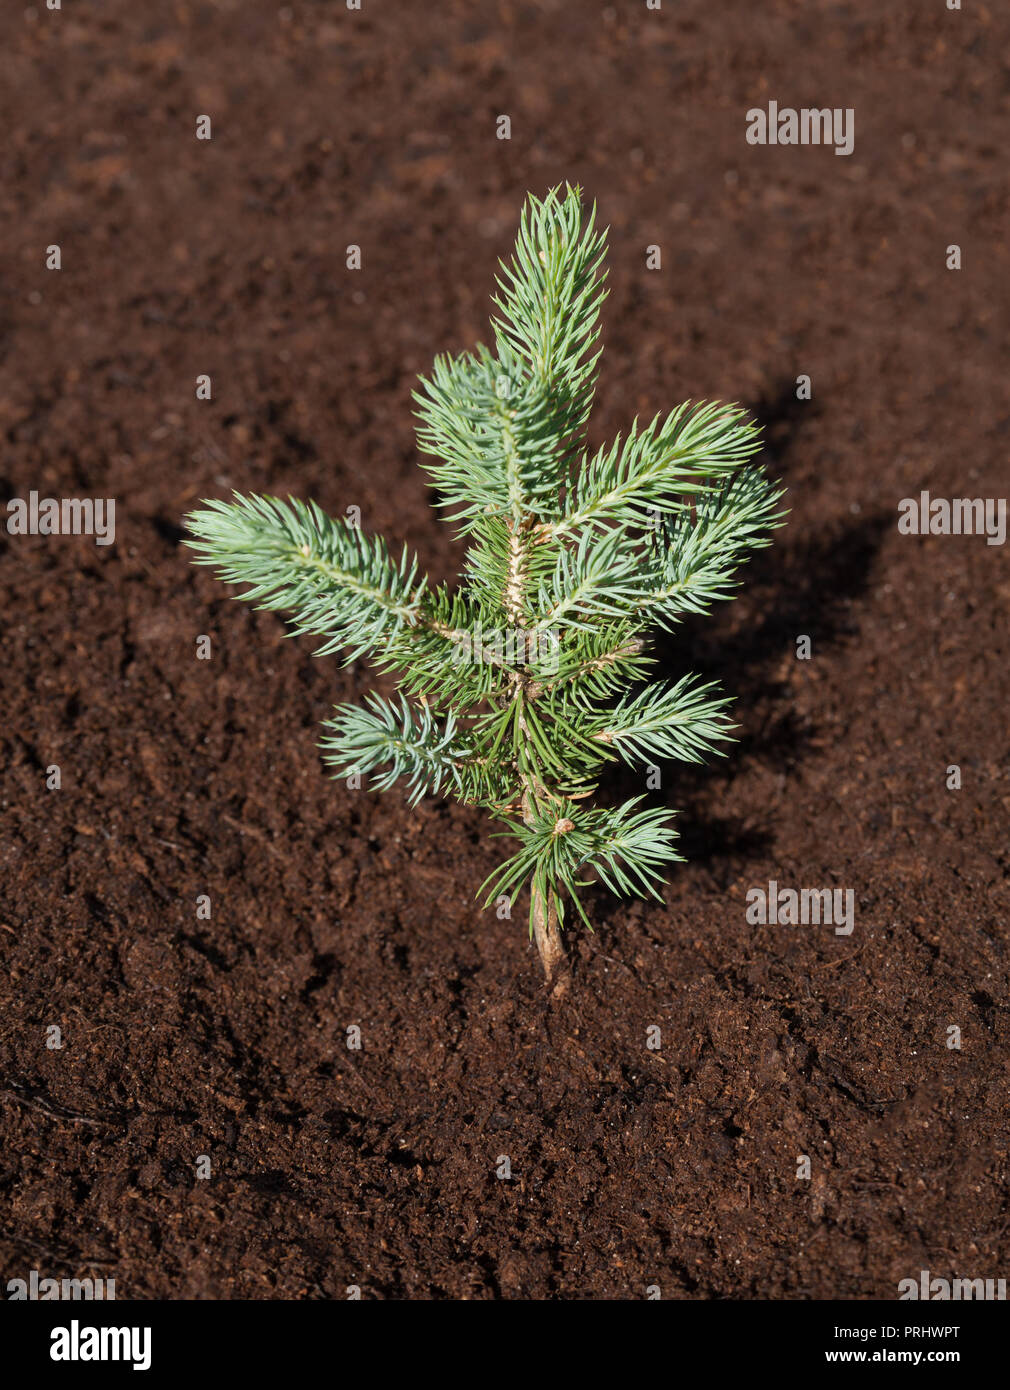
180 777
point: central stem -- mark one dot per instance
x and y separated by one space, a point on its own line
546 930
547 935
544 904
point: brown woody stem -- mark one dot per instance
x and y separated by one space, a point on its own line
547 935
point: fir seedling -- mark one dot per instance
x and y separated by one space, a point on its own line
517 688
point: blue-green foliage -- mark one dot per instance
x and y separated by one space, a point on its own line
518 688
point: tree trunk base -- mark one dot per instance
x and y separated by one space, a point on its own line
547 935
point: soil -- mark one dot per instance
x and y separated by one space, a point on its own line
631 1166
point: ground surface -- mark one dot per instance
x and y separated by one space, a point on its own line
184 1037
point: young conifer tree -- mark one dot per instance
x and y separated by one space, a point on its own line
518 687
